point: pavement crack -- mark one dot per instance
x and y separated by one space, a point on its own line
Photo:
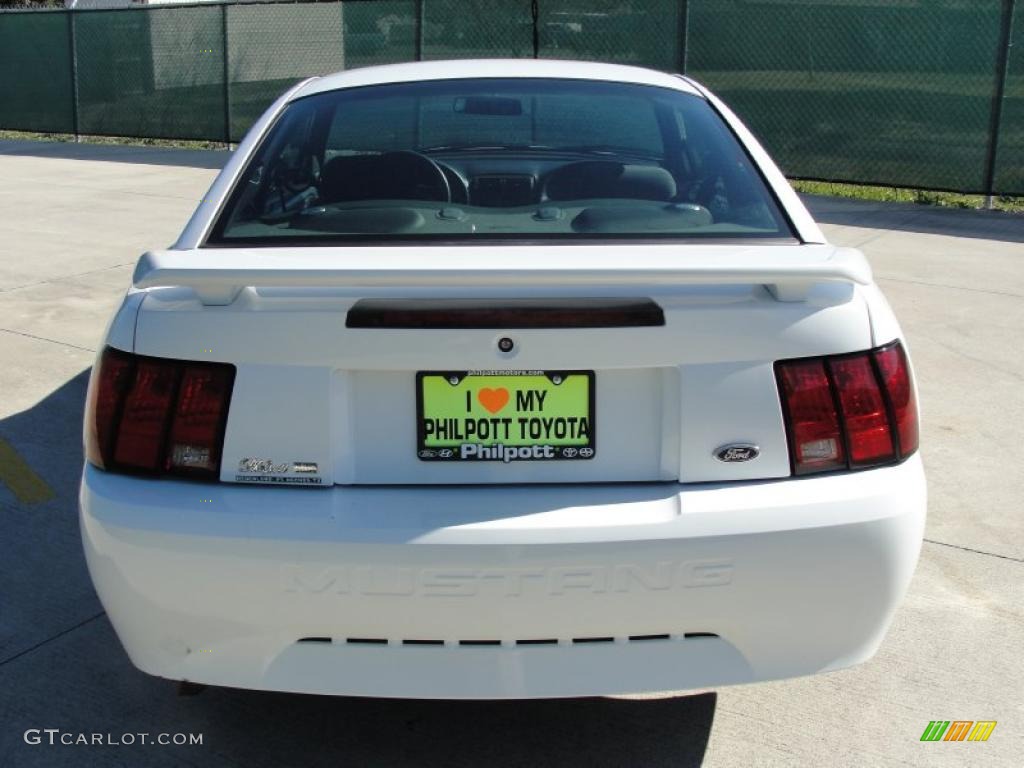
43 338
979 360
65 278
897 225
108 191
976 551
49 640
928 284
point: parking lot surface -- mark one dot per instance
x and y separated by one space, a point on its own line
73 220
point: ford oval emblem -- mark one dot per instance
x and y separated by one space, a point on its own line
737 452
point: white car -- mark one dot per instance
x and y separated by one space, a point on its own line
501 379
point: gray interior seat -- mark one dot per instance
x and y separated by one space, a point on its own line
388 176
591 179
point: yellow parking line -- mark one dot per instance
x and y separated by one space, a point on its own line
17 475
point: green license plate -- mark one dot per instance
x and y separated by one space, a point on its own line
504 415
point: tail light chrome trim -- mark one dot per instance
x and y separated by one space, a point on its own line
850 411
157 416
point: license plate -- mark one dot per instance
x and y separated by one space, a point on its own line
505 416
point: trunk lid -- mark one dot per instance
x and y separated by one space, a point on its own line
313 391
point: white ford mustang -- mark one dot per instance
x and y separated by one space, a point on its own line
498 379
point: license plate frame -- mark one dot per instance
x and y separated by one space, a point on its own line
542 437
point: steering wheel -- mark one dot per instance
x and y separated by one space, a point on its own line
406 166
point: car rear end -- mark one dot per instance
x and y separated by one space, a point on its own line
502 470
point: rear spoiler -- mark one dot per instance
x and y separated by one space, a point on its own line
217 275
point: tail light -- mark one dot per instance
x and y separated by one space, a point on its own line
849 411
157 416
816 442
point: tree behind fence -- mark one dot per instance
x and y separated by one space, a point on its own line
923 94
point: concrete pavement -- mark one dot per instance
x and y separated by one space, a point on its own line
73 219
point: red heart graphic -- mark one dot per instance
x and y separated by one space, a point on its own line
493 399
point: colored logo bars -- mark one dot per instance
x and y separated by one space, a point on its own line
958 730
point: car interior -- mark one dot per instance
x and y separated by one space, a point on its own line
485 158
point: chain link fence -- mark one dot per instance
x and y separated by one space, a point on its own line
915 93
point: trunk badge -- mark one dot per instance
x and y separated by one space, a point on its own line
737 452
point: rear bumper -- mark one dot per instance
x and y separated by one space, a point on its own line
756 581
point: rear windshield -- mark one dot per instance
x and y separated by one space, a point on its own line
478 159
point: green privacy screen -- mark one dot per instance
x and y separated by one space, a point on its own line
648 33
154 72
867 91
874 91
272 47
1009 176
35 72
462 29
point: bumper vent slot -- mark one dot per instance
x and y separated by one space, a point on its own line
590 640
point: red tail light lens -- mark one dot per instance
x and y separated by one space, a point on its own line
147 412
863 409
198 427
107 389
895 370
816 443
849 411
158 416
